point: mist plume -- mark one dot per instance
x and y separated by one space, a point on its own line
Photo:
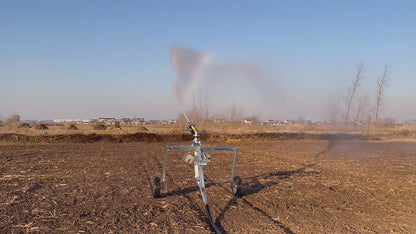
215 88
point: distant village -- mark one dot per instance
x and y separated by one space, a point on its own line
143 121
114 121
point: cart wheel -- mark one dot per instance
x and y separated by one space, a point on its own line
156 187
237 186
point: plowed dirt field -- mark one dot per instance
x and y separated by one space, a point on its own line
301 186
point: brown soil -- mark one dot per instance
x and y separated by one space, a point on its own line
173 137
293 186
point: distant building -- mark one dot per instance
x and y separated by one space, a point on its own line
107 121
154 121
86 121
246 121
220 121
288 122
138 121
410 122
126 121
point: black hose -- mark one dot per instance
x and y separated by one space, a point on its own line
211 221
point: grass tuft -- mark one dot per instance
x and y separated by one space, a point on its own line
100 126
41 126
69 126
24 125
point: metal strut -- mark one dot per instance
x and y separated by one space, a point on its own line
216 230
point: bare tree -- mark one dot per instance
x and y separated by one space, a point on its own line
333 112
353 89
206 112
362 106
381 84
253 118
13 118
198 111
236 113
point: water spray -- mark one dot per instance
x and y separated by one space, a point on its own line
182 110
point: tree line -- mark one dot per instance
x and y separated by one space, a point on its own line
358 103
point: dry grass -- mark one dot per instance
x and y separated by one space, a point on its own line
70 126
41 126
391 132
238 128
99 126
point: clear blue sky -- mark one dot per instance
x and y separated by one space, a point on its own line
88 59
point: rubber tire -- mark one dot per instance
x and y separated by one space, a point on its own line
156 187
237 186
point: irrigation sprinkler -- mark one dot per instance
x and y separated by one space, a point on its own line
200 157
